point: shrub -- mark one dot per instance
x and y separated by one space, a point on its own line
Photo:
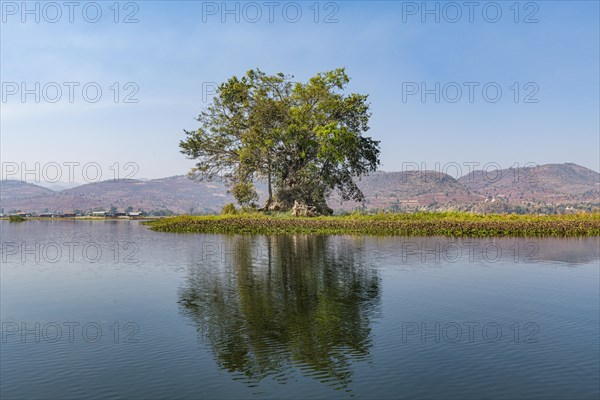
249 209
228 209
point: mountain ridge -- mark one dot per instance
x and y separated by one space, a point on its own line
565 184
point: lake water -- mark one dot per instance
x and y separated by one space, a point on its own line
109 309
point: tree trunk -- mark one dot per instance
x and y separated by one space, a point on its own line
270 199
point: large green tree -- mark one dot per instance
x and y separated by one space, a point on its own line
304 139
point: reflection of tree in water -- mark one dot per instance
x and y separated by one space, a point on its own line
285 301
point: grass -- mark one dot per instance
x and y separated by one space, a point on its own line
453 224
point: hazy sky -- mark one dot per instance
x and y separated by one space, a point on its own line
543 57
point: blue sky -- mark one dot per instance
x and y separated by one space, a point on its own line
177 47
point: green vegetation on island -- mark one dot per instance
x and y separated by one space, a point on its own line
408 224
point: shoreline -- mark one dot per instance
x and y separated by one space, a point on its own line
417 224
85 218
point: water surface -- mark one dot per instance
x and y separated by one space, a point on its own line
109 309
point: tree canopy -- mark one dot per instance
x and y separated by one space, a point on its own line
304 140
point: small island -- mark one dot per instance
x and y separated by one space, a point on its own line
389 224
306 140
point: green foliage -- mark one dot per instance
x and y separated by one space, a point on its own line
16 218
455 224
305 139
244 192
250 209
228 209
158 213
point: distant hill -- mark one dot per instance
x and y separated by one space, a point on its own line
58 186
178 194
10 190
406 190
565 184
550 183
